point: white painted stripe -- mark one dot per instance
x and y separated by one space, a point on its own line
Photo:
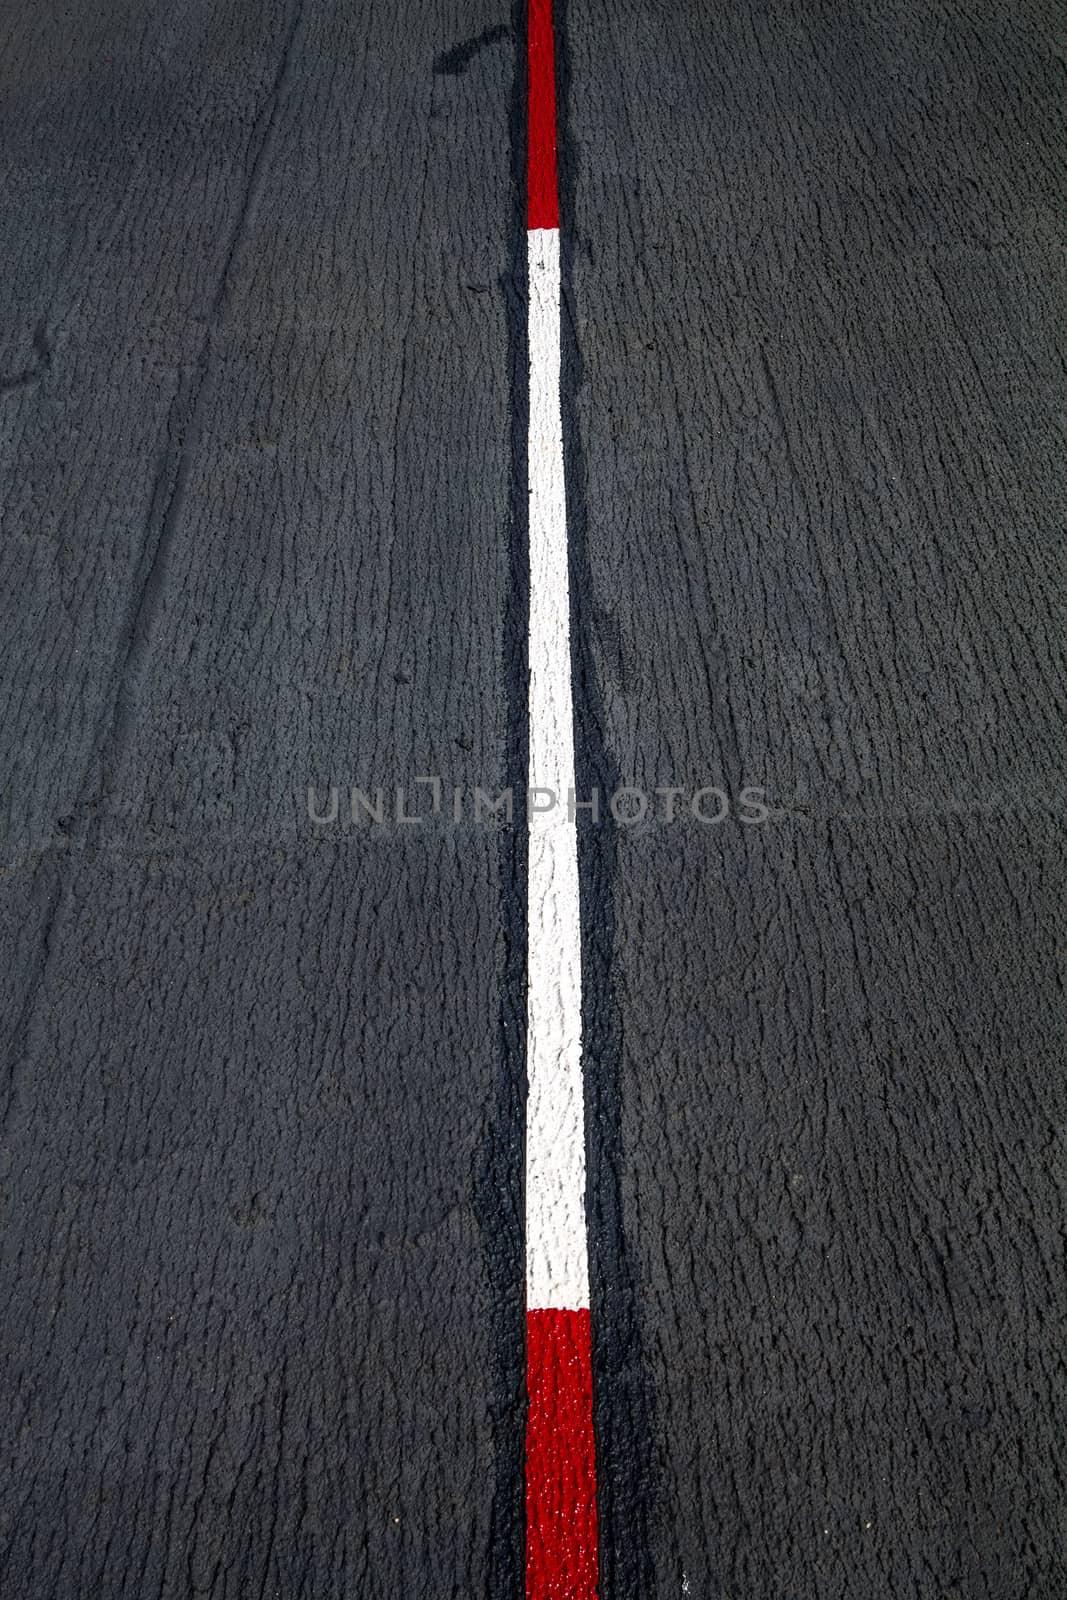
557 1274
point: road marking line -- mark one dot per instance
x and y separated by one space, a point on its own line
561 1522
542 189
561 1553
556 1270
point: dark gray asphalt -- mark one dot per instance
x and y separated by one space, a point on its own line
254 533
257 452
816 281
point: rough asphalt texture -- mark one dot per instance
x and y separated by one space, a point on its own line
254 535
814 286
257 445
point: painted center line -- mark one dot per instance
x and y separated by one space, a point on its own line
561 1537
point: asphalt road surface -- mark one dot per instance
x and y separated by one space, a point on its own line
261 526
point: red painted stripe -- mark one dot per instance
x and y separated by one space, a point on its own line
542 190
561 1548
